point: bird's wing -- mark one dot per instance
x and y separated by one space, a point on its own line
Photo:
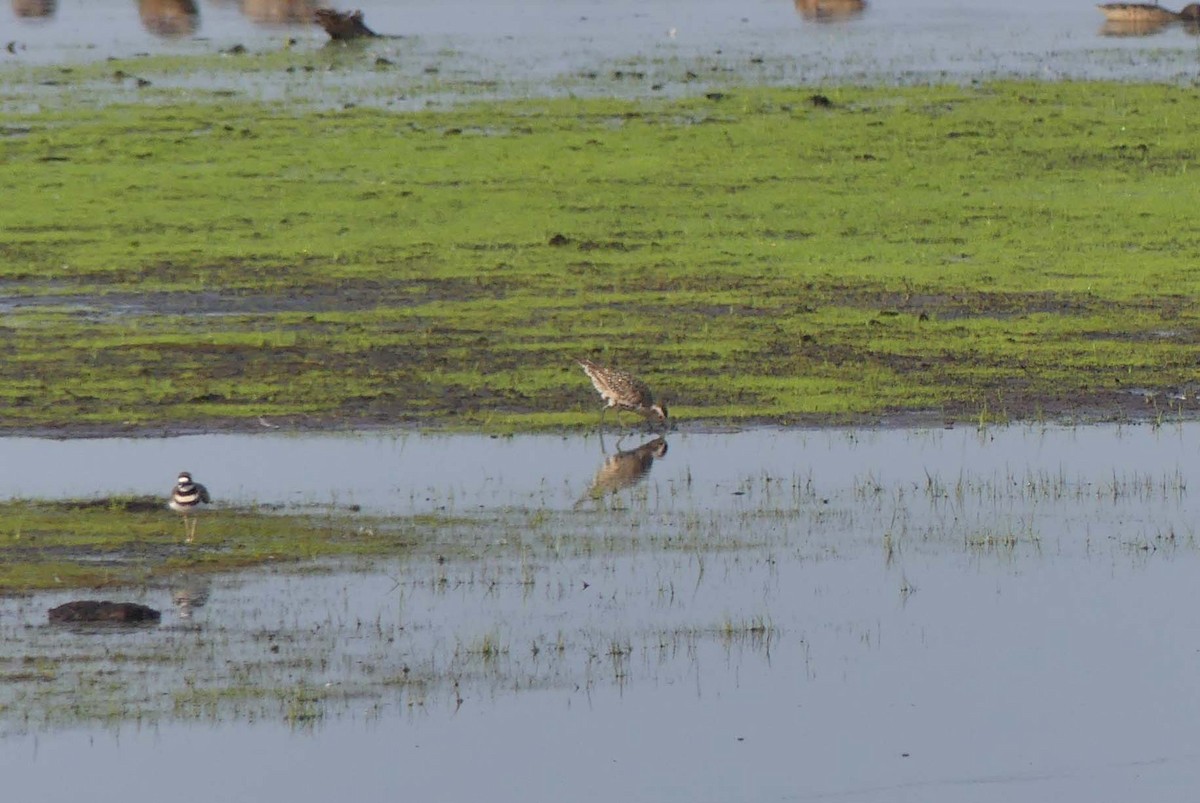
597 375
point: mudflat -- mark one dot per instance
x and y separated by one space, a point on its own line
996 252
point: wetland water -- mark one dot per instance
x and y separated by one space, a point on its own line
762 615
919 615
554 47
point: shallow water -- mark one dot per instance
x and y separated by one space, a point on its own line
866 615
861 615
543 46
406 472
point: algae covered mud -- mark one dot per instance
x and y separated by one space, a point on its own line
208 236
767 614
1007 250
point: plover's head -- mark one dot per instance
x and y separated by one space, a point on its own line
659 410
184 478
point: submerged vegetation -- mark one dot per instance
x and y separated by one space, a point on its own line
1010 250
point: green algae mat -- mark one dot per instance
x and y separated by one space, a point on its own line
118 542
1007 250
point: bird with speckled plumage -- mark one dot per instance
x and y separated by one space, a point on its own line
624 391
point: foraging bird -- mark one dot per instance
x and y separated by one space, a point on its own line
186 497
622 390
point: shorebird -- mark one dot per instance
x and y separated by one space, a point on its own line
186 497
622 390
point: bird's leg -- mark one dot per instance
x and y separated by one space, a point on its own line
190 523
602 449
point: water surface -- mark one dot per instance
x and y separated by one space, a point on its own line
540 46
864 615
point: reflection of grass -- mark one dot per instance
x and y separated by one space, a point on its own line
756 627
993 252
488 648
299 706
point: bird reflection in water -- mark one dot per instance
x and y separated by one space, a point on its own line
34 9
188 596
280 12
624 469
1147 19
169 17
830 10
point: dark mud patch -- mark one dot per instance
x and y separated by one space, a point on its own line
317 296
965 304
106 612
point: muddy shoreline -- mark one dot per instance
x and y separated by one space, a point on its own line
1136 407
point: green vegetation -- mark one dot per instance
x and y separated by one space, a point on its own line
99 543
1008 250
